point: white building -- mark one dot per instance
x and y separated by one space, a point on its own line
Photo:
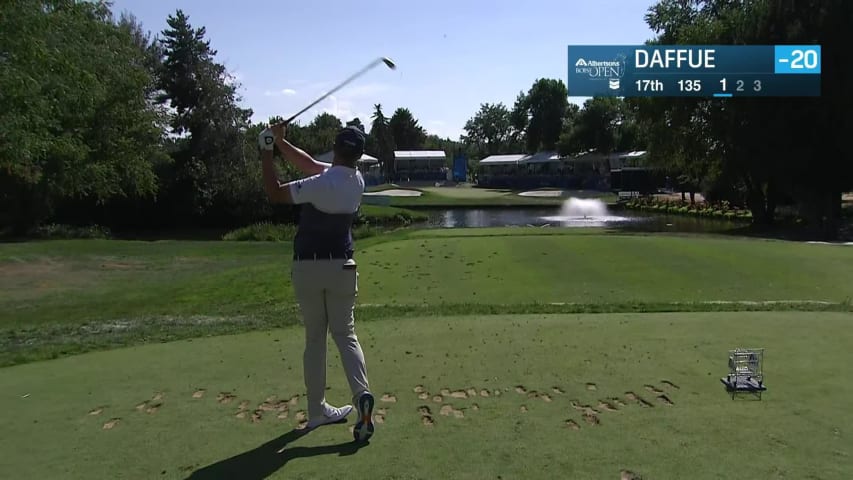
421 164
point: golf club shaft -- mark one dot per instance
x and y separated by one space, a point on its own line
343 84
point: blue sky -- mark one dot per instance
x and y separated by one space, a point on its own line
451 55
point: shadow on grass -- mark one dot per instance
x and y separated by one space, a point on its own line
267 459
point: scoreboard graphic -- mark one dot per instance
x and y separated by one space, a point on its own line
694 71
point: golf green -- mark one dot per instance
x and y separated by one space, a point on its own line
528 396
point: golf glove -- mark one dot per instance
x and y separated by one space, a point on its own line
266 140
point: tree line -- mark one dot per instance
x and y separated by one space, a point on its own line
761 153
103 122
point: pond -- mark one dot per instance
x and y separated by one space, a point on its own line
578 214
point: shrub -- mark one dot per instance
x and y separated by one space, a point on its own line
388 216
262 232
365 231
62 232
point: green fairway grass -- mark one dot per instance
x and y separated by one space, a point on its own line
601 269
467 196
65 297
175 409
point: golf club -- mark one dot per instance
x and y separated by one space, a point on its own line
387 61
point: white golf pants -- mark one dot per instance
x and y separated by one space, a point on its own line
326 293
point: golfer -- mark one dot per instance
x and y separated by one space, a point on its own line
324 273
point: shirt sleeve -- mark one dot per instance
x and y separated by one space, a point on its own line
309 189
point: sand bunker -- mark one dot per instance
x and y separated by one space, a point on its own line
542 193
394 192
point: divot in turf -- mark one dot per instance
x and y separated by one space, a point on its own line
151 406
111 423
629 475
225 397
591 419
670 384
653 389
426 416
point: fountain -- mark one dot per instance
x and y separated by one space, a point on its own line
583 207
588 212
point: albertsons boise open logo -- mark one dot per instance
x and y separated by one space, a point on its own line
601 69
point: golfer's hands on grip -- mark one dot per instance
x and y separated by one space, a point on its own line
278 131
268 138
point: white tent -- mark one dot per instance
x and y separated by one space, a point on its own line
501 159
541 157
626 159
428 159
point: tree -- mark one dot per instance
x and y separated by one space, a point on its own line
209 159
757 148
382 142
597 125
490 130
76 125
541 112
321 133
520 114
407 133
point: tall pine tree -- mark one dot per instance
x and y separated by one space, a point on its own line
382 142
210 164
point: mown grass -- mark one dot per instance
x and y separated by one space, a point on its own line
467 196
495 353
558 403
63 297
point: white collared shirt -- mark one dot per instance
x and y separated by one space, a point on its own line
337 190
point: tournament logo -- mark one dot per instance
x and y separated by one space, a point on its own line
609 70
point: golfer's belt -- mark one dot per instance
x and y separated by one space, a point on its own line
322 256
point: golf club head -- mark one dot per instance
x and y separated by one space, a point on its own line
389 63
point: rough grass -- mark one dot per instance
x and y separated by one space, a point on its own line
209 409
63 297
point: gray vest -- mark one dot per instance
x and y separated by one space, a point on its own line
323 234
